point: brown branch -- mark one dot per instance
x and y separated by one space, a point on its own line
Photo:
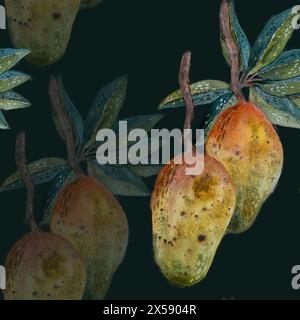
232 47
184 82
22 166
64 121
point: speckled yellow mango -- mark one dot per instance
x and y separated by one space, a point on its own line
190 215
44 266
43 26
248 146
90 217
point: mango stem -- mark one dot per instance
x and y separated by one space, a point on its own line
184 83
64 122
22 166
232 50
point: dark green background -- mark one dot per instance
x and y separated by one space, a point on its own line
145 39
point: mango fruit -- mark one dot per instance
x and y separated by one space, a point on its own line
90 217
44 27
190 215
246 143
44 266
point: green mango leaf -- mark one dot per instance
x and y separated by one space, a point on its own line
296 100
280 111
272 41
282 88
239 37
41 171
119 180
223 103
59 182
11 100
10 57
203 92
146 171
285 67
12 79
71 112
105 109
3 123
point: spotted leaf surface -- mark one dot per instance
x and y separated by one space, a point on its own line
239 37
11 100
41 171
280 111
223 103
58 183
296 100
282 88
105 109
119 180
10 57
272 41
12 79
203 92
285 67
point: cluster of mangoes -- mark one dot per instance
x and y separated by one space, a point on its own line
88 228
77 259
243 152
191 214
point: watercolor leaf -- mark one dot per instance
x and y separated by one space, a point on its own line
203 92
272 41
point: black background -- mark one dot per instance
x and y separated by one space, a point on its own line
145 39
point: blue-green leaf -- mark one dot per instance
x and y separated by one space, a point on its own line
3 123
272 41
223 103
71 112
59 182
296 100
285 67
11 100
239 37
119 180
41 171
12 79
282 88
203 92
105 109
10 57
280 111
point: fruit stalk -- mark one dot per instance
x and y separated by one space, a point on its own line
232 50
65 123
21 164
184 83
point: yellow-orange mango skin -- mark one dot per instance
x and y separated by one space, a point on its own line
190 215
44 266
42 26
90 217
246 143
